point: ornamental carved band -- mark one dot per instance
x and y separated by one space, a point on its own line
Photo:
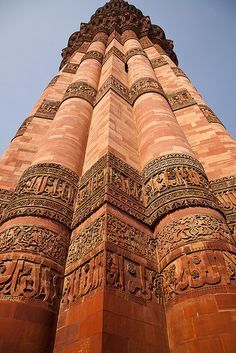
225 191
133 52
47 109
191 229
46 190
53 81
5 196
145 85
209 114
175 181
181 99
82 90
116 86
35 240
158 62
178 72
22 280
71 68
114 51
23 127
199 272
93 54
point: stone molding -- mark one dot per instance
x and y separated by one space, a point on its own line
114 51
209 114
93 54
70 68
5 196
159 62
117 86
134 52
80 89
178 72
48 109
181 99
44 190
53 81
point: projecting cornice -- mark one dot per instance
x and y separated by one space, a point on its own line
120 16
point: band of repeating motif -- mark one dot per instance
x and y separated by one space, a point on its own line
93 54
114 51
159 62
46 190
209 114
70 68
47 109
5 196
82 90
134 52
225 191
53 81
181 99
178 72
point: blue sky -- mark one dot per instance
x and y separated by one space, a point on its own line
32 34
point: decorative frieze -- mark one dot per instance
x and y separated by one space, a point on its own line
114 84
23 127
158 62
178 72
5 196
47 109
114 51
83 280
80 89
23 279
201 270
181 99
35 240
225 191
189 229
70 68
209 114
144 85
93 54
86 240
176 181
133 52
146 42
110 180
46 190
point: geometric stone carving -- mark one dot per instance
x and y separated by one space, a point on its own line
47 109
209 114
180 99
46 190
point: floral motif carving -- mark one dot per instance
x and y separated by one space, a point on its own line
47 109
114 51
133 52
86 241
27 280
198 270
209 114
70 68
82 90
158 62
130 238
35 239
83 280
93 54
181 99
23 127
189 229
47 190
131 277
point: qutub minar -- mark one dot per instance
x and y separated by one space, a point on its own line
118 204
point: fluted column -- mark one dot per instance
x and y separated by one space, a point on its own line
35 233
194 243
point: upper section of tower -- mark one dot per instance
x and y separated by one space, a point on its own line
120 16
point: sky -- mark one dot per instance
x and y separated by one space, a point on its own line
33 33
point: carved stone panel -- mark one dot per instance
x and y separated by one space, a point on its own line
145 85
199 271
93 54
175 181
114 51
181 99
158 62
133 52
189 229
53 81
47 109
178 72
47 190
5 196
82 90
23 127
209 114
26 280
71 68
117 86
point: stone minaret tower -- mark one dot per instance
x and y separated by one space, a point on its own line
118 204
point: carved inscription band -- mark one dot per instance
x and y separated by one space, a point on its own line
133 52
209 115
5 196
168 183
47 109
114 51
47 190
93 54
82 90
23 127
180 99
